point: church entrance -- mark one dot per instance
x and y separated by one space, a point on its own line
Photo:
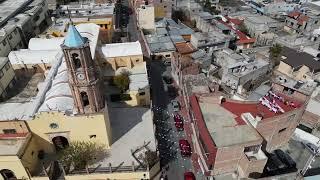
60 142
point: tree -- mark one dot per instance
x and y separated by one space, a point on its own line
275 52
150 158
243 28
122 81
80 154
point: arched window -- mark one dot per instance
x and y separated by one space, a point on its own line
7 174
76 60
85 99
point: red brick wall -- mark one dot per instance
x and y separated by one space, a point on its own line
269 128
310 119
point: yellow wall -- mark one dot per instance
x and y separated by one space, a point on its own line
29 159
19 126
14 164
123 61
285 69
303 72
40 68
138 100
77 128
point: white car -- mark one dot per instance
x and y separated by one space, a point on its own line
313 148
175 106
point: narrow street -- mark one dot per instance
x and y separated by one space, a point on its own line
173 164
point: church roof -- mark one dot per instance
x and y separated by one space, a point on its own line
73 38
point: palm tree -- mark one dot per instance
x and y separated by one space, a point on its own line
275 52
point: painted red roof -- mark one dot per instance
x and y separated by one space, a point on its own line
203 131
299 17
235 21
257 108
13 135
294 14
243 38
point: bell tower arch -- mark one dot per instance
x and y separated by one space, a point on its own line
84 79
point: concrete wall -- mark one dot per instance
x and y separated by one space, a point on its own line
6 81
11 40
145 17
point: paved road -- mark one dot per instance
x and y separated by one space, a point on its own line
166 132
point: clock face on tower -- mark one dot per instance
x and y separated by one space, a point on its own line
80 76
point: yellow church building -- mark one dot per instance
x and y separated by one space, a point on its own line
65 104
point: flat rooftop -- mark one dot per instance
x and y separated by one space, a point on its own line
129 134
11 144
8 8
26 88
304 87
224 128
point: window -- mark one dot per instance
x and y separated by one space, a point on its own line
85 99
76 60
53 125
142 93
164 6
1 74
10 36
4 43
137 60
9 131
281 130
168 55
93 136
15 31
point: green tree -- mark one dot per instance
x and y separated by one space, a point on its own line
122 81
275 52
80 154
150 158
243 28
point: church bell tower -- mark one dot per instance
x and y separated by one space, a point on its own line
84 80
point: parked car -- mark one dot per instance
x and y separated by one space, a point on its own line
189 176
172 91
178 122
175 105
130 11
274 163
313 148
167 79
167 63
185 148
284 157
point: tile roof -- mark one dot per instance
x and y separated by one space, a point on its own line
185 48
296 59
73 38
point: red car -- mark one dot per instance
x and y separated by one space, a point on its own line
178 122
189 176
185 148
